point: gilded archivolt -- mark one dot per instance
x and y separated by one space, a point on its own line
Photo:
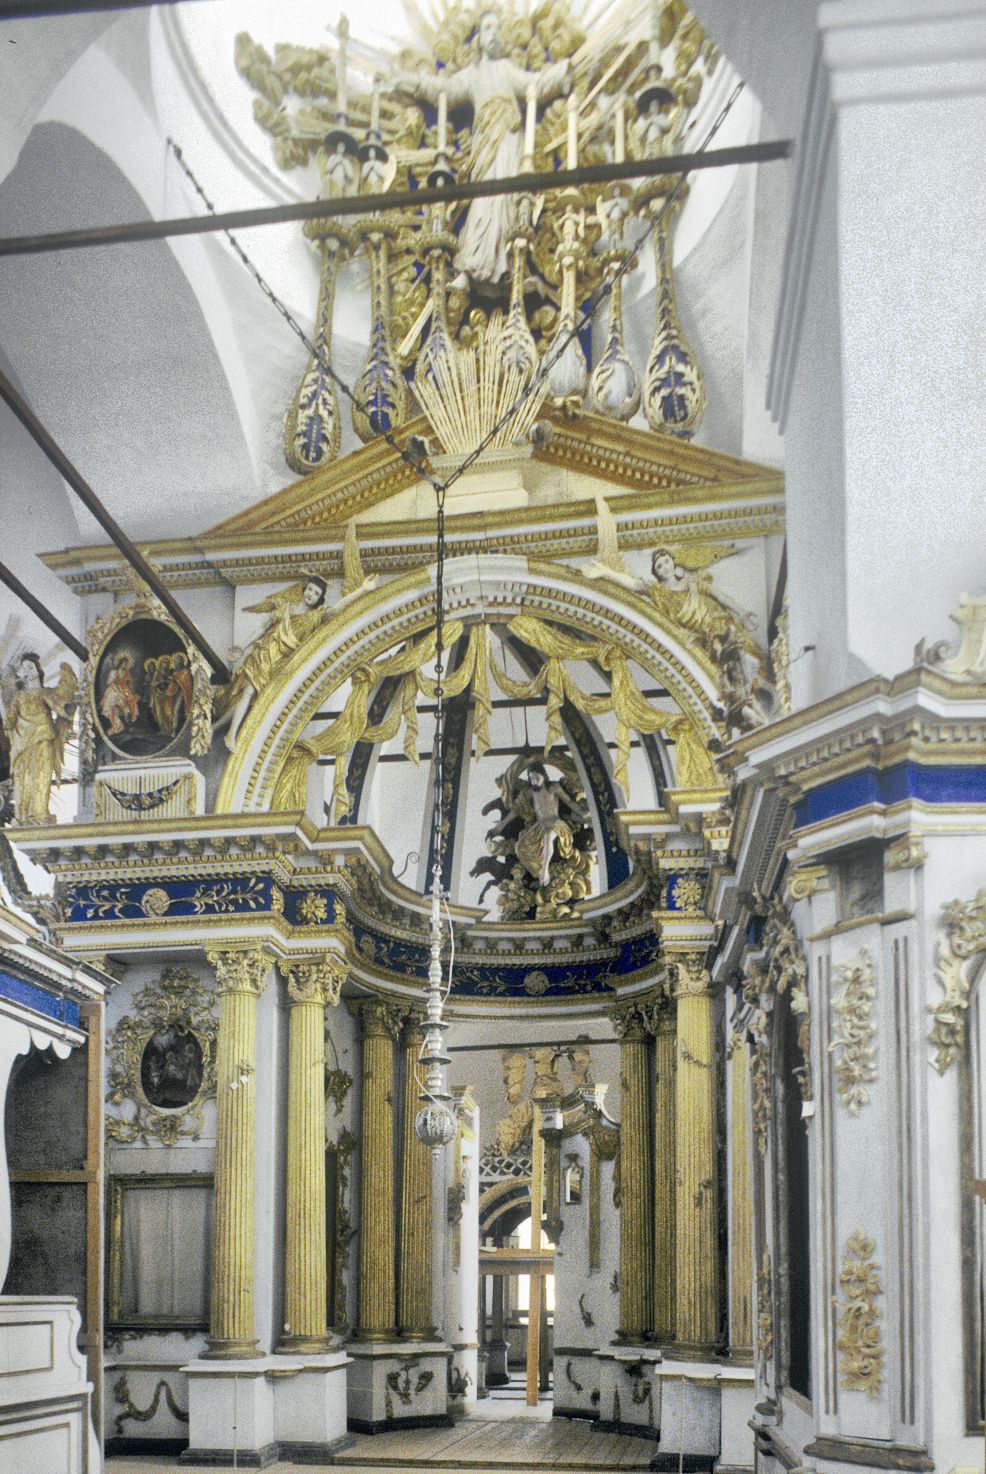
959 954
854 1032
860 1342
285 711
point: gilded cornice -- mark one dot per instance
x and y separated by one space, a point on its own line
919 716
677 492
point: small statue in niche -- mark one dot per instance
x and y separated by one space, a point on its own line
38 722
295 613
542 845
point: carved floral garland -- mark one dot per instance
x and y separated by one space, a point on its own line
964 940
860 1344
853 1007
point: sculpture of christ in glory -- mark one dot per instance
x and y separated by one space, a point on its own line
492 85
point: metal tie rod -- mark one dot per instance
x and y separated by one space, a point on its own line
399 199
91 501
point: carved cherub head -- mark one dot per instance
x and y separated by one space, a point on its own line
30 674
313 594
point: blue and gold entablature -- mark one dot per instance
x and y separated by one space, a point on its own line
865 762
276 878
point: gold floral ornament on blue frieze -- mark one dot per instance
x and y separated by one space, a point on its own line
161 1061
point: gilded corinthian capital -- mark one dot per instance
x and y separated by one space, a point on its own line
240 969
689 976
314 979
636 1020
379 1020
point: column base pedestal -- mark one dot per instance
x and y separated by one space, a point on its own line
629 1391
497 1374
231 1350
576 1383
267 1409
397 1384
691 1424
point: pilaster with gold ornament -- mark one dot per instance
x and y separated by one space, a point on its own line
633 1025
313 984
740 1203
437 245
380 1024
241 976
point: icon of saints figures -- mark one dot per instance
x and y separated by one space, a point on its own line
38 720
492 86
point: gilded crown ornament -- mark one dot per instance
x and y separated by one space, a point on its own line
481 94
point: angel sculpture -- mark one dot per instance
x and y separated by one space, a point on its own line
38 720
295 613
681 590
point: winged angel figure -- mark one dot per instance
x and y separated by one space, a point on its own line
295 613
38 720
680 588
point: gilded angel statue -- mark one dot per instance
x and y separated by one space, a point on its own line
38 720
295 613
681 589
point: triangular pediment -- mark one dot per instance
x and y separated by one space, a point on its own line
367 480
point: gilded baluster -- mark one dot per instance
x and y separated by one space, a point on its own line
674 387
517 343
380 391
435 358
614 385
567 369
312 427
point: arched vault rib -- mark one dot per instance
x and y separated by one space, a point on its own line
491 587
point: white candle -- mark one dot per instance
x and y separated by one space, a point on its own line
442 121
620 139
530 121
573 131
375 106
342 99
655 33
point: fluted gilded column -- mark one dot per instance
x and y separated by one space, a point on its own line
740 1207
414 1305
241 974
696 1229
636 1179
377 1291
312 984
664 1175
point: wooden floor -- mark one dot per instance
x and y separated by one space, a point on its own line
500 1443
475 1445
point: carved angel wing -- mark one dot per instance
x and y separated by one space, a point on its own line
353 572
609 562
61 700
697 556
276 602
